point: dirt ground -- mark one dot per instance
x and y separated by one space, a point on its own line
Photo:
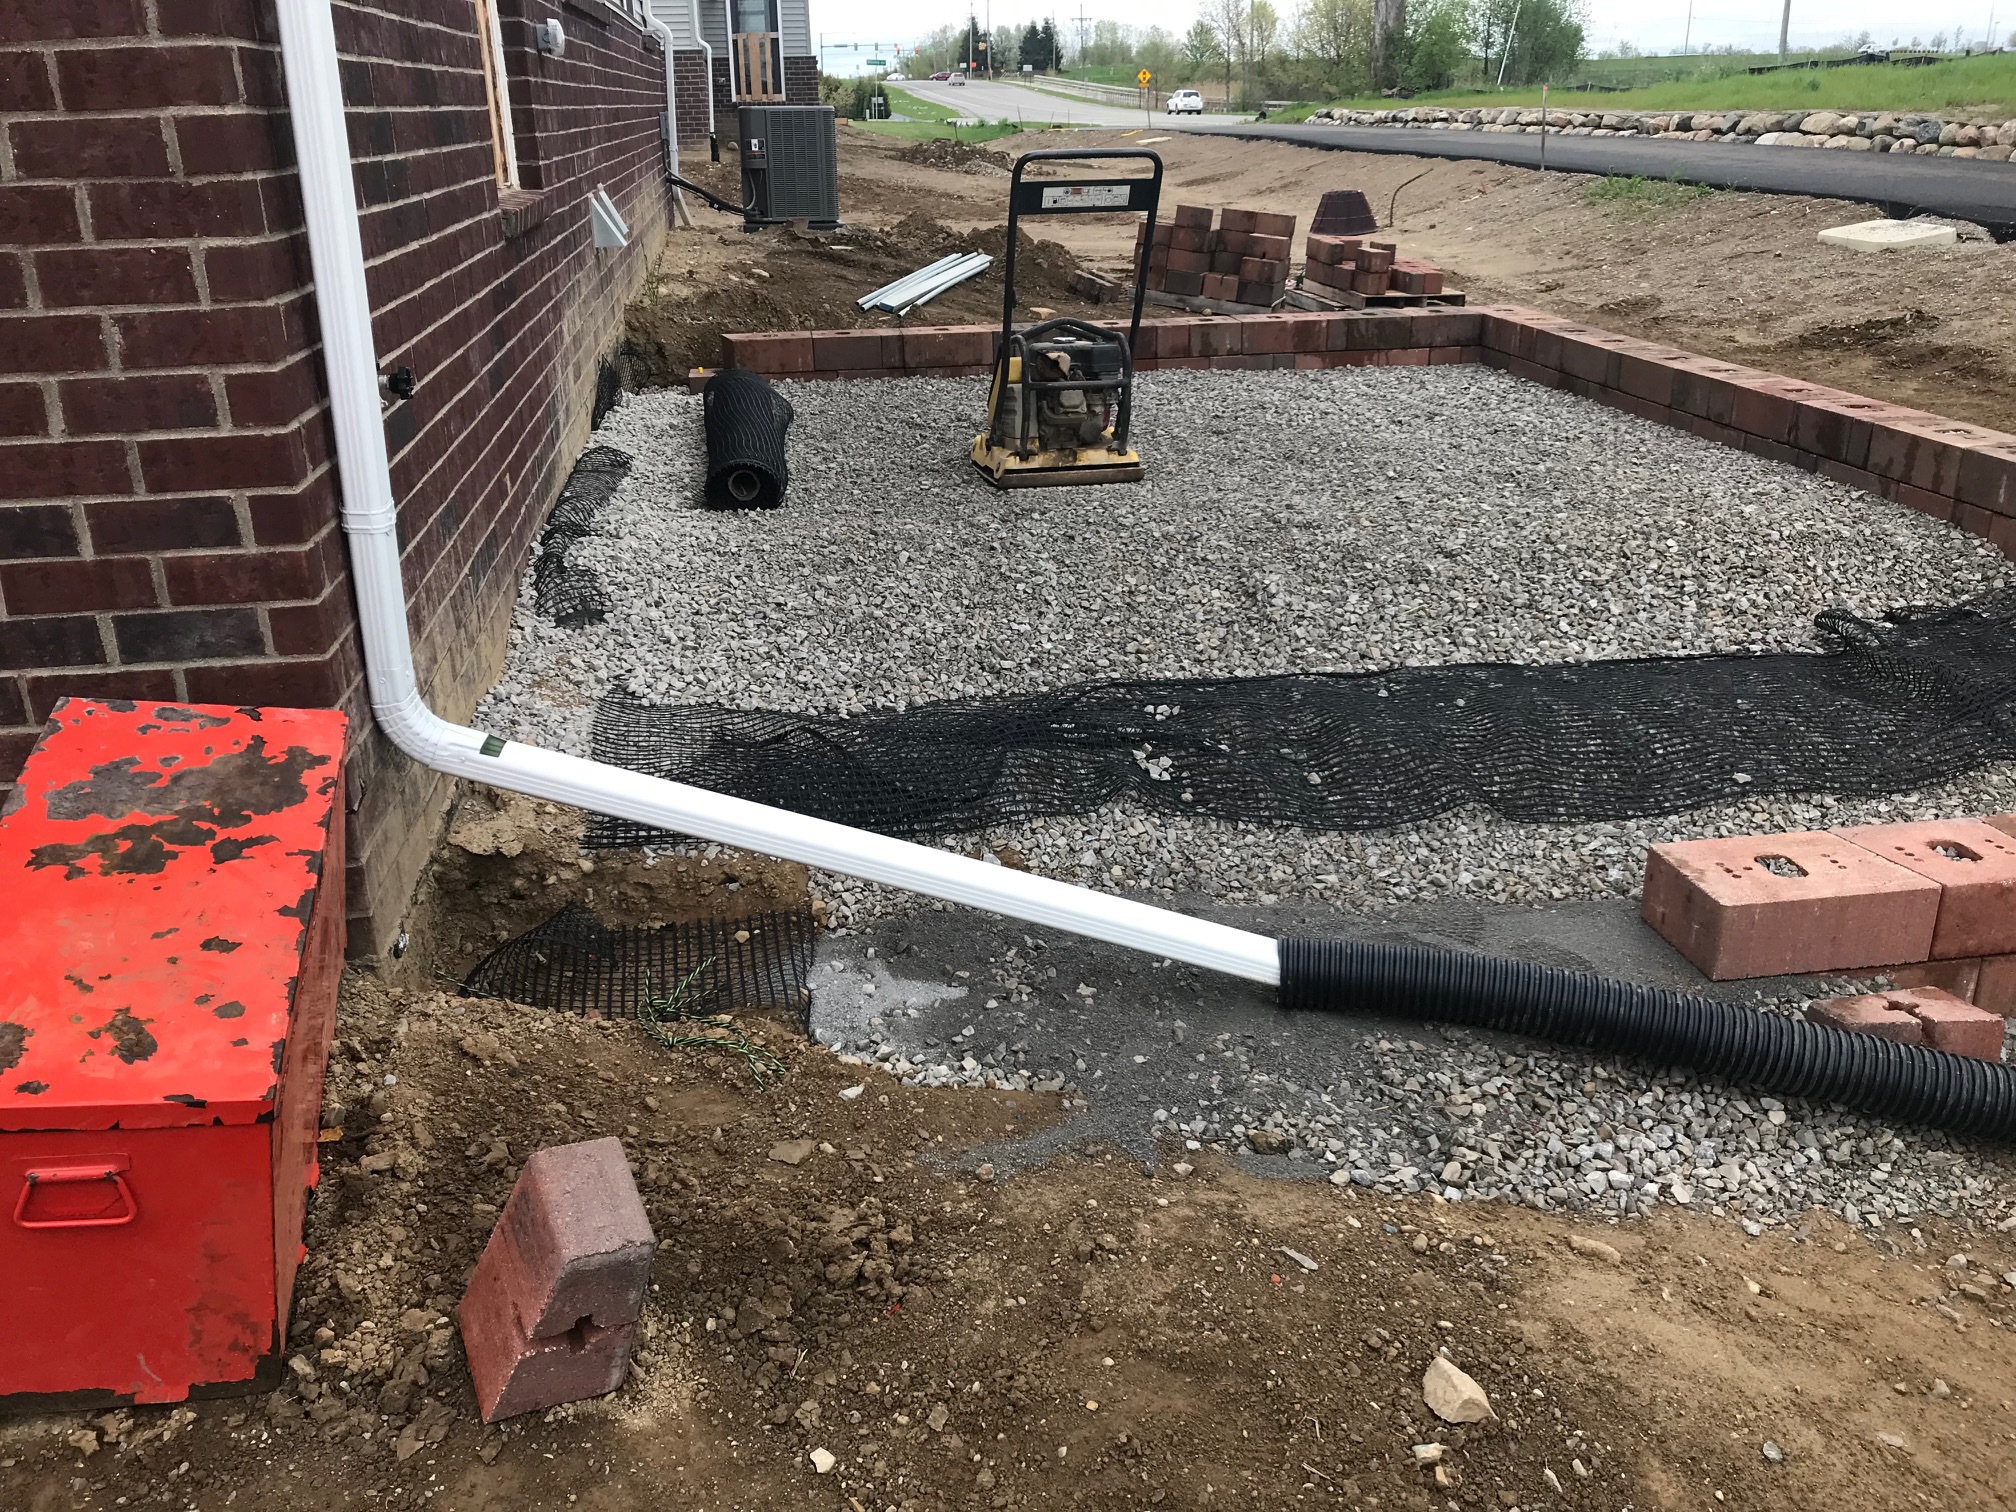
1086 1334
1738 276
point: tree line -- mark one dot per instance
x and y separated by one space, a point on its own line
1321 49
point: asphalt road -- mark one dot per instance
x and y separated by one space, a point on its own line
1966 189
999 101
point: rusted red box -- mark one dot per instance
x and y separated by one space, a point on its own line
169 958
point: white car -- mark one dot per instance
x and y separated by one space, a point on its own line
895 78
1186 102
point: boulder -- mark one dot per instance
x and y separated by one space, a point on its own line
1949 135
1885 124
1820 123
1997 154
1883 143
1968 135
1925 132
1530 118
1850 143
1759 123
1614 122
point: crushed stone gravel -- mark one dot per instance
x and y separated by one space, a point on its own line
1291 521
1340 520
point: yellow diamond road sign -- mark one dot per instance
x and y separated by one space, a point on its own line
1143 77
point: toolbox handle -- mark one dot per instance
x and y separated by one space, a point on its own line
65 1175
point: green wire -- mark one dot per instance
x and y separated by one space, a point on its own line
656 1013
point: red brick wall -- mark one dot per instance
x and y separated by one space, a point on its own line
168 499
690 81
801 81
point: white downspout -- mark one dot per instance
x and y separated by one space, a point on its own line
728 21
315 100
680 214
707 48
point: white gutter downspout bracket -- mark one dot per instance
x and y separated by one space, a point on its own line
370 523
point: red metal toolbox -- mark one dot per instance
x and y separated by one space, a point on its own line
170 946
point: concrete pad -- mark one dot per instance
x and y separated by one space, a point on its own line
1882 235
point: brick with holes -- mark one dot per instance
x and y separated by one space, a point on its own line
1770 905
1870 1013
1951 1024
550 1315
1973 862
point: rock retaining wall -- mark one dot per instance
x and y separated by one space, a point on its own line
1858 131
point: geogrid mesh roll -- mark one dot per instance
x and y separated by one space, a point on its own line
1912 700
575 963
570 595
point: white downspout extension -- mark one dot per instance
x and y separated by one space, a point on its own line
370 523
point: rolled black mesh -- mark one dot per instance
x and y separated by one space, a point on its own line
564 591
1915 699
575 963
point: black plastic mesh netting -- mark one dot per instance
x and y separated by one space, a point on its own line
576 963
1912 700
565 592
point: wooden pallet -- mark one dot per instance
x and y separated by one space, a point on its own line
1203 306
1306 298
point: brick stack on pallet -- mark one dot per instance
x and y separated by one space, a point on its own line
1351 270
1240 266
1934 904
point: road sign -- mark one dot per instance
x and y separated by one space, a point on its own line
1144 78
876 63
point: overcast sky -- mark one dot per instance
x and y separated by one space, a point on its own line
1650 25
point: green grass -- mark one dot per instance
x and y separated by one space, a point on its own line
1642 196
924 131
1985 85
915 106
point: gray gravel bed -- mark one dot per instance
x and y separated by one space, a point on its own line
1340 520
1165 1062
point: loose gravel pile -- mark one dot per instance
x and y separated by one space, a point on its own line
1339 520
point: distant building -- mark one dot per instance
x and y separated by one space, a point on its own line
762 54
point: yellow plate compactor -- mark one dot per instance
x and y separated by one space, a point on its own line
1063 391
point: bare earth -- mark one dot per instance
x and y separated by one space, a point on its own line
1086 1334
1739 276
1090 1334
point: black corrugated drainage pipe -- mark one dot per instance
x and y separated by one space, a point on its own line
1768 1052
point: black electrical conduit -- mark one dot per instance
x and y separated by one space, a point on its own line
1768 1052
725 206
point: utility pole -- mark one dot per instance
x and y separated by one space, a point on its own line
1688 40
1785 30
1512 33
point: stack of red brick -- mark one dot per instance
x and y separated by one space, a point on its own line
1934 902
1244 261
1370 268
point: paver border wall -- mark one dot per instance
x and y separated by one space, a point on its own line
1954 471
